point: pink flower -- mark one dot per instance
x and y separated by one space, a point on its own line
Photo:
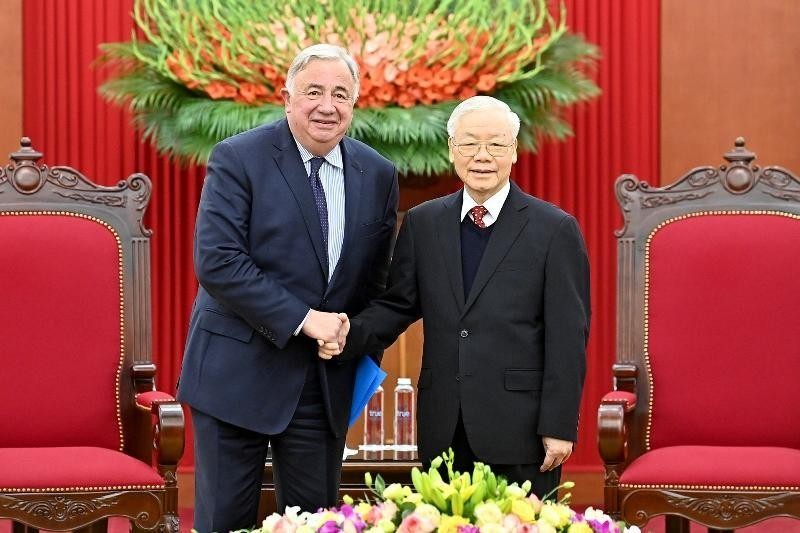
511 521
383 511
415 523
284 525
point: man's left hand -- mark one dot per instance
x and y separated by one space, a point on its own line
557 452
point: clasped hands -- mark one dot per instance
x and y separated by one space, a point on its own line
330 331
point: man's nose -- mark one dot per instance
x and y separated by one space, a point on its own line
326 104
483 153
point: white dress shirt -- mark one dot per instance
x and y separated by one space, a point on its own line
493 205
331 174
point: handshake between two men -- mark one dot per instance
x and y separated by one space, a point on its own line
330 331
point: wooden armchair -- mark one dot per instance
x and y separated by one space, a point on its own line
84 435
703 424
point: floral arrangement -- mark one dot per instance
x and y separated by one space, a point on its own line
197 71
479 502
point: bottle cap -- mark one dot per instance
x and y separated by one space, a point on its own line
404 381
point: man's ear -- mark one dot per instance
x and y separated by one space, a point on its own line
286 96
450 154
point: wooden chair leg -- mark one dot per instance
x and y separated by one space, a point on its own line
22 528
101 526
677 524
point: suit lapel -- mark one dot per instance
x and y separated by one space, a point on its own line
291 166
353 179
449 232
506 230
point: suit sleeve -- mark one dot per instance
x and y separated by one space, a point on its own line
221 253
379 270
566 319
378 326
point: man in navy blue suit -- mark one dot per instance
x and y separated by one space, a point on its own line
295 219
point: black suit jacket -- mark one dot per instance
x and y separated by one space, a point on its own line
261 265
512 355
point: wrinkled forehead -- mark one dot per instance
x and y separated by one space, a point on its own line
484 124
326 71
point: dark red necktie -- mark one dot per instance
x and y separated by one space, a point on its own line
478 212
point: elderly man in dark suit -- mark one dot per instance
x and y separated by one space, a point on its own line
295 220
501 281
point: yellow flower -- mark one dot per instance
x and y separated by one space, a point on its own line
487 513
555 515
363 508
414 497
515 491
449 524
580 527
393 491
524 510
430 512
545 527
386 525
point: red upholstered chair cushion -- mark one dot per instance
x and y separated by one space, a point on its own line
79 468
60 327
724 335
716 467
146 400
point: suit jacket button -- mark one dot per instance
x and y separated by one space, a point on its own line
464 334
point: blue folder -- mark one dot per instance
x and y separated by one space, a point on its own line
368 377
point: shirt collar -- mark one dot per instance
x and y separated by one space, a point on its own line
493 205
334 157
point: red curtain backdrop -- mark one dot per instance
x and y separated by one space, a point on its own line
72 125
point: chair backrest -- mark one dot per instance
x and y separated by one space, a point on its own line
74 286
709 281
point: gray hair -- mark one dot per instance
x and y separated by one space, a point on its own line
325 52
482 102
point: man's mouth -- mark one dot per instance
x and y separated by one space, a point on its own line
482 171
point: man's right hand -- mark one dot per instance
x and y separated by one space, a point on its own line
324 326
329 349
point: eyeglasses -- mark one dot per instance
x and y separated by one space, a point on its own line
471 149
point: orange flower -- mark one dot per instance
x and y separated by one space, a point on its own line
223 30
385 93
250 92
442 77
218 89
405 100
462 75
486 82
215 90
467 92
177 67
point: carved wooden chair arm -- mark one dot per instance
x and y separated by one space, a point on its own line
612 425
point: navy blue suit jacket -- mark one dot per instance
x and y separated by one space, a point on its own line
261 265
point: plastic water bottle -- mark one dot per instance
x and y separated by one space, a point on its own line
373 426
405 423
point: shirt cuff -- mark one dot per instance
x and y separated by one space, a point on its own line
303 323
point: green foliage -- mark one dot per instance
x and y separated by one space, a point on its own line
183 121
